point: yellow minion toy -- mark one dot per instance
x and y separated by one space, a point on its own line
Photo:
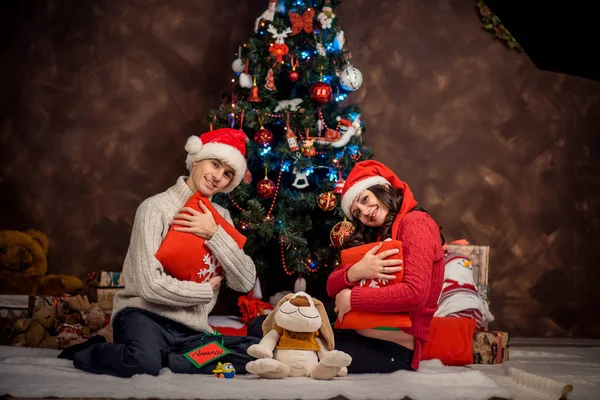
225 370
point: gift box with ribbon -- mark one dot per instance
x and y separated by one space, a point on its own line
252 307
59 303
102 286
13 307
105 279
490 347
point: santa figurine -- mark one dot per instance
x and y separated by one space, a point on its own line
267 15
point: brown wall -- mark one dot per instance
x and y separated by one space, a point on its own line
98 98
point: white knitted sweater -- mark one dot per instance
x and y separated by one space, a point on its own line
149 287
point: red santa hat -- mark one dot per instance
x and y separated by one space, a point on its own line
226 144
370 173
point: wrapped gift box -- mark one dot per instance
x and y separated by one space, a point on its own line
105 279
480 257
490 347
59 303
102 286
12 308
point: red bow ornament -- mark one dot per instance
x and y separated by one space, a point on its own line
278 50
302 22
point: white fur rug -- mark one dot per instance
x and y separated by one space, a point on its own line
37 373
548 373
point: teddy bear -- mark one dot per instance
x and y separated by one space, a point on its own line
93 322
23 266
298 341
34 331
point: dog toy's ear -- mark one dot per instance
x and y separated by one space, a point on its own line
325 332
269 322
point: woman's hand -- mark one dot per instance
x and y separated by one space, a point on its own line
375 266
199 223
215 282
342 303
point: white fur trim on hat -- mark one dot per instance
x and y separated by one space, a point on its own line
218 151
356 189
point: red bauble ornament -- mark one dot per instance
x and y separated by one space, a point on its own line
293 76
320 92
263 137
340 232
327 201
266 188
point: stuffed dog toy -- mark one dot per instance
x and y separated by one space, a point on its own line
298 341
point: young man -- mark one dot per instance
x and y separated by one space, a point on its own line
157 318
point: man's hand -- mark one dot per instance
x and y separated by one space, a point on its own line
215 282
199 223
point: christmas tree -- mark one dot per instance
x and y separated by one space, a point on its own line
292 77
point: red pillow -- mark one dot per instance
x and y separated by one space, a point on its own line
450 340
185 256
366 319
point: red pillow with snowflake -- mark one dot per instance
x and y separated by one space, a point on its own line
186 256
369 319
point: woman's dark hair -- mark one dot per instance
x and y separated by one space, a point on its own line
392 199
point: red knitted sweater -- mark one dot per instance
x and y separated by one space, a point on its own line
420 290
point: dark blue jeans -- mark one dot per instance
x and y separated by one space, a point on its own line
146 342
